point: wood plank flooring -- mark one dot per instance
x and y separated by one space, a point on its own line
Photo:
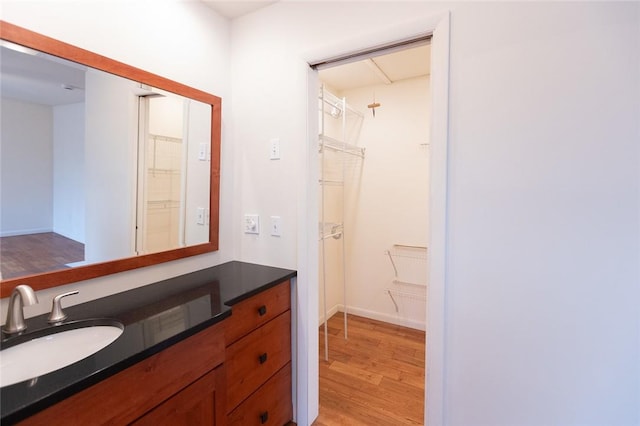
375 377
23 255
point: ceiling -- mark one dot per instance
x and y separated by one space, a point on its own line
385 69
40 78
234 9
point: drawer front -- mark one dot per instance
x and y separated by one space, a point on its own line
198 404
270 405
252 360
257 310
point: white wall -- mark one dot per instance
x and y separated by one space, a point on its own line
116 30
166 116
42 188
544 215
110 167
541 318
198 172
68 171
27 168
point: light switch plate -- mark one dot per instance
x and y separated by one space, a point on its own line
276 226
274 149
202 152
200 216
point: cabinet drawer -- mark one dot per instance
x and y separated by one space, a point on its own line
257 310
269 405
256 357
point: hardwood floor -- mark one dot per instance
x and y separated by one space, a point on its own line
375 377
35 253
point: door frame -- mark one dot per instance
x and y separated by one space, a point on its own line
307 286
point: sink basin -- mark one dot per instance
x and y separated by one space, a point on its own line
43 351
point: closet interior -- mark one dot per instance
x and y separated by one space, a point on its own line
163 161
374 179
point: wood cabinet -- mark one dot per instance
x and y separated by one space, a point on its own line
258 359
236 372
157 381
197 404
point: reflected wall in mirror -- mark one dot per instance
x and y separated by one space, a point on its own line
105 167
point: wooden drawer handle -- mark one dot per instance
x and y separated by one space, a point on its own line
263 358
264 417
262 310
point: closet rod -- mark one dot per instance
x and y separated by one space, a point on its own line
347 106
337 102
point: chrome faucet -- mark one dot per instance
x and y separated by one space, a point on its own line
23 295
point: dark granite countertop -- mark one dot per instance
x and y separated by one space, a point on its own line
154 316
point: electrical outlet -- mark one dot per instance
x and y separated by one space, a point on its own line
251 224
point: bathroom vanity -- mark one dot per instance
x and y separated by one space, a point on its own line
210 347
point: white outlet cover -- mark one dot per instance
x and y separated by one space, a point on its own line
251 224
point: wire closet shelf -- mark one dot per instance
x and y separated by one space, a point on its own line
409 263
339 128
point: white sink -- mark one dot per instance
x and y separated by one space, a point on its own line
54 348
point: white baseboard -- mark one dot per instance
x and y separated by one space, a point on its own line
331 312
25 232
378 316
391 319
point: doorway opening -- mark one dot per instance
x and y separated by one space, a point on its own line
374 122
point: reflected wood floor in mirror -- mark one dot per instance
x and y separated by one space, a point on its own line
22 255
375 377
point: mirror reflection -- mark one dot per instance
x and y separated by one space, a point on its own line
95 167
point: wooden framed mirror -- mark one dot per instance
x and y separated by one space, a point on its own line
138 149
